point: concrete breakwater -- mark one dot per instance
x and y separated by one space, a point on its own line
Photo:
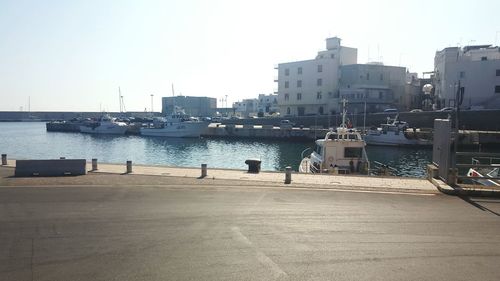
263 132
219 130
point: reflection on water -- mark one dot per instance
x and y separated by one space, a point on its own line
30 140
407 161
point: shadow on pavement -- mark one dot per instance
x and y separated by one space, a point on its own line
476 204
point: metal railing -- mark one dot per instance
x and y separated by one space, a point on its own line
482 169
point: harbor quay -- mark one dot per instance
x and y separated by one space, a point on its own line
166 223
299 180
232 130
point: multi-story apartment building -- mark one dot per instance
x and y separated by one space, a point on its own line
478 70
194 106
379 86
311 86
268 104
246 107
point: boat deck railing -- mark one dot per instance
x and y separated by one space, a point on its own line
483 163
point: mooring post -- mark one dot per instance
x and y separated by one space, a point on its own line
203 170
129 166
4 159
94 164
288 175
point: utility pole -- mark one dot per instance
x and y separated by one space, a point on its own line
459 98
152 104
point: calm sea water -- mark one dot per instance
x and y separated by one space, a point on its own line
30 140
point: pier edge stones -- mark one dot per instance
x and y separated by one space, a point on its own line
129 166
203 170
288 175
4 159
94 164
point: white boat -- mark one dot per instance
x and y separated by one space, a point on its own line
176 126
341 152
394 133
105 125
478 177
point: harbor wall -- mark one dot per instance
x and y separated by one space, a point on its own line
467 137
486 120
13 116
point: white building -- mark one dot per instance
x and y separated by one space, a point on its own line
477 68
246 107
311 86
268 104
376 85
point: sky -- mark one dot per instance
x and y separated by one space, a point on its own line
73 55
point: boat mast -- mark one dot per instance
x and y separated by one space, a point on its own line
120 98
344 112
364 119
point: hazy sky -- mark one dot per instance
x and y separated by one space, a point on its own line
73 55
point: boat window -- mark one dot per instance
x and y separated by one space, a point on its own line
353 152
352 137
332 136
318 149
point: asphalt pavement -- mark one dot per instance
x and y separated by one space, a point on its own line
165 228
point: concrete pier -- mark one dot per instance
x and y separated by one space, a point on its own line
134 227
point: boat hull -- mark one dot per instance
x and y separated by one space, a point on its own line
107 129
391 139
183 130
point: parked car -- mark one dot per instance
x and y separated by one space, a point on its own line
390 110
416 110
286 124
446 109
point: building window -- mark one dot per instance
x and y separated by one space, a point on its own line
367 76
484 58
299 70
498 72
319 95
299 83
320 68
497 89
287 71
319 82
332 56
299 96
288 110
462 74
320 111
380 95
381 76
287 96
286 84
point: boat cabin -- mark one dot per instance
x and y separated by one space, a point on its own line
341 151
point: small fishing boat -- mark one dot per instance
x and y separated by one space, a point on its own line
105 125
177 126
341 151
394 133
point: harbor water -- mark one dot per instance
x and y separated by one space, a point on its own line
30 140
